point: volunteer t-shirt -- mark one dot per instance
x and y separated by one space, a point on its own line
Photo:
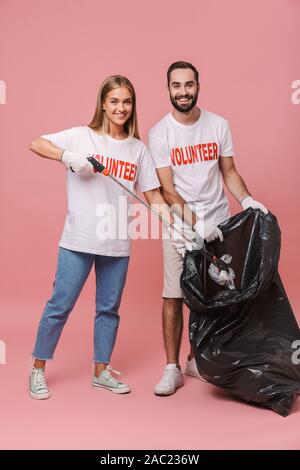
192 152
96 221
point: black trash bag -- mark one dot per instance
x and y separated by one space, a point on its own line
243 338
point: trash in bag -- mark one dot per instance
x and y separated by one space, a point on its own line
222 277
243 337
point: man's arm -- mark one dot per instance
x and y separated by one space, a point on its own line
232 179
237 186
172 197
206 231
154 198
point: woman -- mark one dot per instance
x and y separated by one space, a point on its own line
113 138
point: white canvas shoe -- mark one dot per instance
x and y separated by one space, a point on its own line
38 388
107 381
170 381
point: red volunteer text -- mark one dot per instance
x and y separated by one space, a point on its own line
118 168
194 153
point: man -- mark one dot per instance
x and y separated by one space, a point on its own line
191 148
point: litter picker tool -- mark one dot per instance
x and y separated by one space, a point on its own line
219 264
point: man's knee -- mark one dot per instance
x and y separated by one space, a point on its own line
175 304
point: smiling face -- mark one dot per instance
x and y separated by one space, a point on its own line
118 106
183 89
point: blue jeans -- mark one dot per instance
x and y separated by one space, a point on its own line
72 271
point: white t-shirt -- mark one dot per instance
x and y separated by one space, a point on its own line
192 152
95 197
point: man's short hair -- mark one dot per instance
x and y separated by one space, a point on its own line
182 65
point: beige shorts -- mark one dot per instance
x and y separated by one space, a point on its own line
173 265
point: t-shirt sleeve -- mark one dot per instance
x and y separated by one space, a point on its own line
159 151
146 178
226 144
63 139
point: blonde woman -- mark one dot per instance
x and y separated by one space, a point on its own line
113 137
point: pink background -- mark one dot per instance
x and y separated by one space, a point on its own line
53 57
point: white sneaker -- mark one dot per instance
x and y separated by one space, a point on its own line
171 380
108 381
191 369
37 385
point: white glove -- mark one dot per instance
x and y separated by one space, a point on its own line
248 201
193 242
207 231
76 162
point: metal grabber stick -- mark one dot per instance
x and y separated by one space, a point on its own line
220 264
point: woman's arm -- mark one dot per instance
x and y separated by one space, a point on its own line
75 161
45 148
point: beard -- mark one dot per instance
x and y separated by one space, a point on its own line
184 108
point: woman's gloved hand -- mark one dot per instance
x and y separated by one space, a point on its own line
76 162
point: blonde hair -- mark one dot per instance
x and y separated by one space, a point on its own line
99 121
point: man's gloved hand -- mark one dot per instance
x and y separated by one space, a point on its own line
208 231
248 201
189 240
76 162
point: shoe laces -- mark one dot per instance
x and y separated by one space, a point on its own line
107 374
168 373
39 378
